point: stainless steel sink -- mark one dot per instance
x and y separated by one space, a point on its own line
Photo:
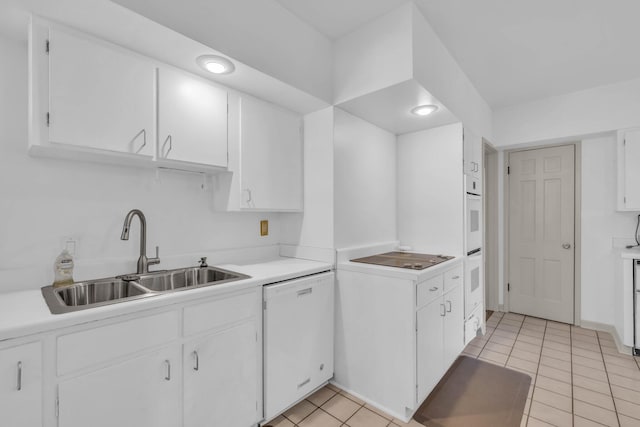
95 293
174 280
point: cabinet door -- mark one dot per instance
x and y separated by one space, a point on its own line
21 386
192 119
631 179
298 322
144 392
271 157
100 96
472 154
221 379
453 325
430 365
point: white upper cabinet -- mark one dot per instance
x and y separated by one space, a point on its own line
93 100
192 119
100 96
629 170
271 163
473 161
265 158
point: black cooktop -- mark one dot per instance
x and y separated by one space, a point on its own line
408 260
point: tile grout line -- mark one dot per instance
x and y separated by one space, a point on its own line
489 336
606 372
573 409
537 370
537 367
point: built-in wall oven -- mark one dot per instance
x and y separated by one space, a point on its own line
473 277
474 223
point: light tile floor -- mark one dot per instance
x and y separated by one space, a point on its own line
578 379
578 376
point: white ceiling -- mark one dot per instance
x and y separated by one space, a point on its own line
513 51
335 18
390 108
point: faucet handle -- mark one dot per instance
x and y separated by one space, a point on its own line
155 260
203 262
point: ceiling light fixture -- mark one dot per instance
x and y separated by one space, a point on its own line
215 64
424 110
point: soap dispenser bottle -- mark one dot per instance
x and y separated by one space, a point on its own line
63 269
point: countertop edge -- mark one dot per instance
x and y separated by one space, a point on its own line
17 323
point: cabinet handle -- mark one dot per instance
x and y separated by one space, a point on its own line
143 132
19 382
196 360
167 363
305 382
170 141
455 277
249 198
449 309
443 312
435 288
305 292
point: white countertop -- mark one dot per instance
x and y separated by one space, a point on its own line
26 312
633 253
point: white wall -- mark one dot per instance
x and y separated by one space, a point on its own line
431 191
43 201
440 74
600 224
364 182
587 112
260 33
401 46
377 55
314 228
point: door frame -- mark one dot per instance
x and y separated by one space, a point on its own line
491 225
577 224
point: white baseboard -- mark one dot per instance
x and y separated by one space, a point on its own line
388 411
603 327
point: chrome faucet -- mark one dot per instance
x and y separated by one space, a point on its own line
143 261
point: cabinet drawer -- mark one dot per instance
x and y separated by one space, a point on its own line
452 278
429 290
93 346
218 312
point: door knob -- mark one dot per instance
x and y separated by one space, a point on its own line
566 245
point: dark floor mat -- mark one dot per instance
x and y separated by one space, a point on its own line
474 393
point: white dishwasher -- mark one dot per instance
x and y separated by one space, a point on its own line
298 339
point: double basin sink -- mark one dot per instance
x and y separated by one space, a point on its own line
95 293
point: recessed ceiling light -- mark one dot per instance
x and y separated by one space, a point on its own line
215 64
424 110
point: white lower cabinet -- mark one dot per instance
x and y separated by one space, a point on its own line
406 327
440 338
220 378
141 372
430 346
143 391
453 325
298 340
21 385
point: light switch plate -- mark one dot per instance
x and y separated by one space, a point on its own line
264 227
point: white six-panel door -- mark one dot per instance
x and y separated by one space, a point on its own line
541 233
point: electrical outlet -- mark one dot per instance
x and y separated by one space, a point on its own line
264 227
